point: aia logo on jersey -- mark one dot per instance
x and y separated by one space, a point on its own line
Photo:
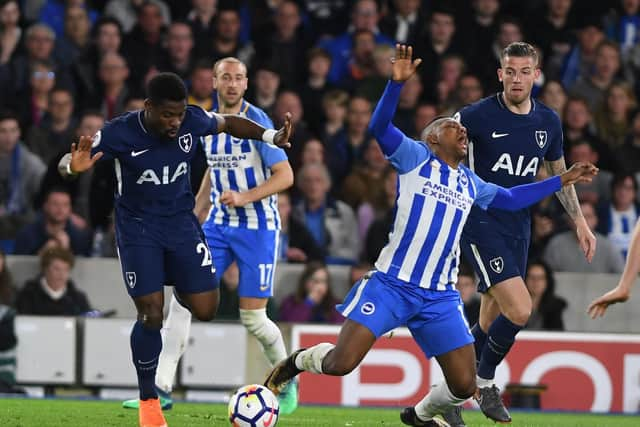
130 277
541 138
497 264
185 142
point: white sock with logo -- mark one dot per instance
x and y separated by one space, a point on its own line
175 335
310 360
483 382
266 332
436 402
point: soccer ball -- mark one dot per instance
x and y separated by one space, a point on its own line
253 406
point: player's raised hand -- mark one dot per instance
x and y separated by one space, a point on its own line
599 305
81 159
404 66
281 138
232 199
579 172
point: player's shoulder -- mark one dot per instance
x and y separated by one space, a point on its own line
257 114
196 111
479 109
546 113
123 124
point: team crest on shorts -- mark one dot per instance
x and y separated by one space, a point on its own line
368 308
497 264
541 138
185 142
130 277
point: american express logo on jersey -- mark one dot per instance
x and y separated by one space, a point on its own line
447 195
227 161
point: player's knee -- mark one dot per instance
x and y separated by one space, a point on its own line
205 314
519 314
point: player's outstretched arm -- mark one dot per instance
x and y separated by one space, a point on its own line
569 200
203 198
79 159
522 196
404 67
622 291
241 127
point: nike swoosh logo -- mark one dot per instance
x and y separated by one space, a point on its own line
498 135
137 153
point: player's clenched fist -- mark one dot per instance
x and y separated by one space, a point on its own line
232 199
579 172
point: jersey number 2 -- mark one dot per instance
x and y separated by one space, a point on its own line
206 256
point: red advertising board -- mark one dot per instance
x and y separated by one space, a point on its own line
583 372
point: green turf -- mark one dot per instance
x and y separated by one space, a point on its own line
72 413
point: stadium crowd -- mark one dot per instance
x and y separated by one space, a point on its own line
67 66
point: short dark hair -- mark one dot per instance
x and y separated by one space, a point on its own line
8 115
166 87
56 252
519 49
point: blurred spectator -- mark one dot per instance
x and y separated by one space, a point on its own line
56 129
469 90
481 31
563 253
21 172
331 222
201 88
334 107
345 148
312 152
76 36
33 103
372 86
177 56
226 40
142 47
543 228
53 229
466 286
553 31
53 293
357 272
617 218
8 343
623 26
113 73
296 243
107 38
289 101
452 67
202 18
7 287
327 18
229 308
407 103
509 31
266 83
133 103
364 17
554 96
424 114
594 83
580 60
54 14
313 300
547 307
377 211
612 120
315 87
628 156
599 188
361 64
365 184
10 31
126 11
403 25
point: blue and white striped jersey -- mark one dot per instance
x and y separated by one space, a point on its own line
239 165
433 203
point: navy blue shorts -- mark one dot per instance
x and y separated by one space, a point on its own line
494 256
435 318
153 255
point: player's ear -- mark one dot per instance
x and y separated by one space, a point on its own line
432 138
536 73
500 74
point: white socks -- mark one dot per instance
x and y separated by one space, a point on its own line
266 332
483 382
436 402
311 359
174 341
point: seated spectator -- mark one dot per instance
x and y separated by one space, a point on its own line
612 120
466 286
554 96
7 288
112 74
616 218
452 68
177 56
53 228
357 272
296 243
265 86
628 155
334 108
229 308
76 37
53 293
10 31
372 86
599 188
32 104
313 301
331 222
425 114
201 87
20 177
547 307
563 253
126 11
289 101
365 183
315 86
312 152
379 206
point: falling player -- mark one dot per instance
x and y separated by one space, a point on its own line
510 135
159 238
413 283
238 204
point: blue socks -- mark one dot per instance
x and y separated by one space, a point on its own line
146 345
480 338
501 336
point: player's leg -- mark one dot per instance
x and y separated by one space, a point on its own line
441 330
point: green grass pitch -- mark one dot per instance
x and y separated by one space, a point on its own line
82 413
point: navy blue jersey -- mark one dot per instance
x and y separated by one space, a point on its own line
153 173
508 149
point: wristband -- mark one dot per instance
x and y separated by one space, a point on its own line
268 135
69 169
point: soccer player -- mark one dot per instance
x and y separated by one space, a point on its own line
238 204
622 291
415 276
510 136
159 238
